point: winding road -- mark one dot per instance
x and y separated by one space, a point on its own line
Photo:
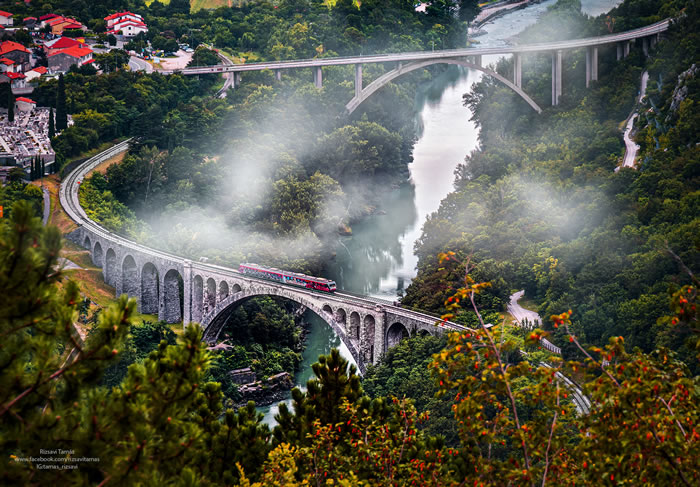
631 147
138 64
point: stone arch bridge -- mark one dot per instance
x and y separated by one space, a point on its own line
178 289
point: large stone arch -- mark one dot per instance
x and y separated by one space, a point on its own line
223 290
98 255
395 333
214 321
197 298
110 268
386 78
130 277
150 284
354 325
87 243
210 295
367 343
171 303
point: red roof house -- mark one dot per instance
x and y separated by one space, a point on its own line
65 58
5 18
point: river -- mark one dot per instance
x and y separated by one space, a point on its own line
378 259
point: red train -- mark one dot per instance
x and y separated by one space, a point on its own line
285 277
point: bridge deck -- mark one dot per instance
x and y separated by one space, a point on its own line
648 30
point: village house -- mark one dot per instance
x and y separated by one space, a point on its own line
24 104
15 52
8 65
62 60
16 80
59 24
6 18
37 72
56 45
125 23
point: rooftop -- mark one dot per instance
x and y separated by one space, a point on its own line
75 51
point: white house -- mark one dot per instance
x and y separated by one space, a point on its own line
24 104
5 18
126 23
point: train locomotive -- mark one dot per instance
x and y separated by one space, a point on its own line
285 277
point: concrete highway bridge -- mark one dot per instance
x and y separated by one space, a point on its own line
178 289
469 57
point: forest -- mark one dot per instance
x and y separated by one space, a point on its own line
541 207
609 257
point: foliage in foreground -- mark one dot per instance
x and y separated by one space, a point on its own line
165 424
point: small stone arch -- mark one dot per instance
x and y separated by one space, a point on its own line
210 296
341 318
87 243
150 284
172 301
110 268
395 334
354 329
235 289
98 255
130 277
327 309
422 332
223 290
368 339
197 298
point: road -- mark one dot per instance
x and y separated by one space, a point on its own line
520 313
138 64
488 12
47 205
631 147
229 78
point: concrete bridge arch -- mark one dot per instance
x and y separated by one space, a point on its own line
361 96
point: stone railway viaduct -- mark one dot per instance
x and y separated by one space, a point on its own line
178 289
469 57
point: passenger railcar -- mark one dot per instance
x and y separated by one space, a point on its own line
285 277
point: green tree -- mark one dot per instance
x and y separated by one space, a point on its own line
61 109
52 126
10 106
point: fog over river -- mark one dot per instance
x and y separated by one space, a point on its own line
378 258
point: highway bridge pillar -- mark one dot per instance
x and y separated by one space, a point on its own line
477 60
358 80
278 74
645 46
591 65
518 70
652 41
236 79
626 48
619 51
318 77
556 77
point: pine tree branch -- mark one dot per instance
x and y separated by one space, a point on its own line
549 441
